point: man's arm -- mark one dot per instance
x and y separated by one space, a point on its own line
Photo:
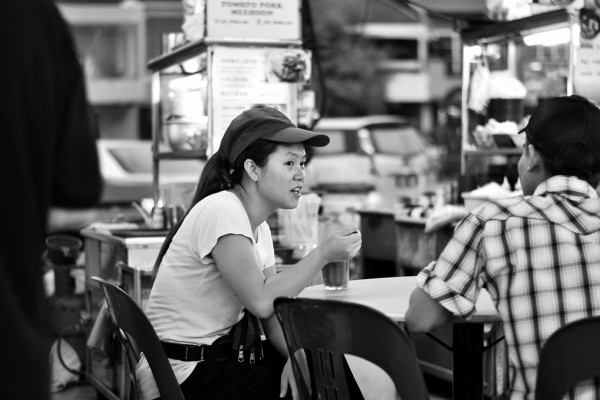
424 313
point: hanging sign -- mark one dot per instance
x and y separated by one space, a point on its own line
269 19
586 77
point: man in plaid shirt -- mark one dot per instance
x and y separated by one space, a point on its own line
538 255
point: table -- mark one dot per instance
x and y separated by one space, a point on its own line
391 296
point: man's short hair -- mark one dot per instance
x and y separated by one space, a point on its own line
566 131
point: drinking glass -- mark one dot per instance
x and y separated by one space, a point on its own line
336 275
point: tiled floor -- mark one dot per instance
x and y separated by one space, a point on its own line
81 391
439 390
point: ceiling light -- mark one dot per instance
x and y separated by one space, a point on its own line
548 38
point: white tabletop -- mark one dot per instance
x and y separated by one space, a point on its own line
391 295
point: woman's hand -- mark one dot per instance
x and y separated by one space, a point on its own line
287 379
341 245
287 376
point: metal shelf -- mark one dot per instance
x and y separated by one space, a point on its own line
182 155
493 152
508 29
193 48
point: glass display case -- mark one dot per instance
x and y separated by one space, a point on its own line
508 69
198 88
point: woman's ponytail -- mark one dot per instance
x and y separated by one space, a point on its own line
214 178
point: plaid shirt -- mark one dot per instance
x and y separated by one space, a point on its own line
539 258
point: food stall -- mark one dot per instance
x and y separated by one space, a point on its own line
533 58
240 61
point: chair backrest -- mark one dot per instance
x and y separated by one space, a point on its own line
328 329
569 356
133 322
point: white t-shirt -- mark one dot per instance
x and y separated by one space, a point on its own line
190 302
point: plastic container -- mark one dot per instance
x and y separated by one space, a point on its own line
63 249
474 201
506 109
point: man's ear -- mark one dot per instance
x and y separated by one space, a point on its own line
534 159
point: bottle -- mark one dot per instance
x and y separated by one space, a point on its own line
505 185
454 195
440 198
158 217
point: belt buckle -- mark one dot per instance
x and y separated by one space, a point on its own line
187 355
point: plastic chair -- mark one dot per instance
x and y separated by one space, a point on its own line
136 330
328 329
569 356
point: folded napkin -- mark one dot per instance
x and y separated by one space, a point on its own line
443 216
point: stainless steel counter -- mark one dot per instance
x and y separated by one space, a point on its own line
105 253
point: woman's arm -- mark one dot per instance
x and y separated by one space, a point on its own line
275 335
236 260
271 326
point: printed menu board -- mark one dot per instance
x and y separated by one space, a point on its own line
269 19
246 77
586 77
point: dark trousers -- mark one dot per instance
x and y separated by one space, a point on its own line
232 380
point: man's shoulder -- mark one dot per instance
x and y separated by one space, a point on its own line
509 207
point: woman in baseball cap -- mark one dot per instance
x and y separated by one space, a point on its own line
216 266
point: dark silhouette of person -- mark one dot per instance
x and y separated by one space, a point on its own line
48 159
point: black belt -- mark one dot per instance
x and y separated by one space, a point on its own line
185 352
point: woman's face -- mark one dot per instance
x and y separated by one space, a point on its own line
280 181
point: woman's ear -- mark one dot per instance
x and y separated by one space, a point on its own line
251 169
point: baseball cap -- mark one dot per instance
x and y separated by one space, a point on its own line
264 123
562 121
